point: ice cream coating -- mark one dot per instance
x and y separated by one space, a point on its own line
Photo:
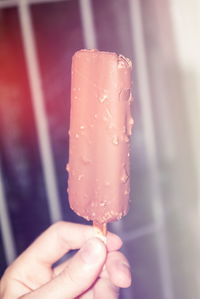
100 129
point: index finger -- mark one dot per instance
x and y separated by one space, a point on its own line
61 237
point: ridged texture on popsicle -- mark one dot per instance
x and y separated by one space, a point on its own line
100 129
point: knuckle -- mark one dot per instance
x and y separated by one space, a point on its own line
58 225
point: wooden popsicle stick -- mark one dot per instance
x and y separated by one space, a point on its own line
101 229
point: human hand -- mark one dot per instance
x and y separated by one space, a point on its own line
95 271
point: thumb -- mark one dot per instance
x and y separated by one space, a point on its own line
78 276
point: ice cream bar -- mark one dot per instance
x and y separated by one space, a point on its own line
100 129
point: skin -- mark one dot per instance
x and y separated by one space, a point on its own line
94 270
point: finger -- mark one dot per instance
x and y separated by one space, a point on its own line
80 274
114 243
105 285
117 270
59 239
116 274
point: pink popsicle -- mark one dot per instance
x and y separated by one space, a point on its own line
100 129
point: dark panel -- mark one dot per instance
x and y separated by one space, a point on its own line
58 35
20 160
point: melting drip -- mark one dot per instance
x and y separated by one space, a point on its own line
103 204
124 177
81 176
126 138
130 123
103 98
115 140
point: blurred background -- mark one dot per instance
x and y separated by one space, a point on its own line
37 41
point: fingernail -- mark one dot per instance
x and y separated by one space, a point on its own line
92 251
